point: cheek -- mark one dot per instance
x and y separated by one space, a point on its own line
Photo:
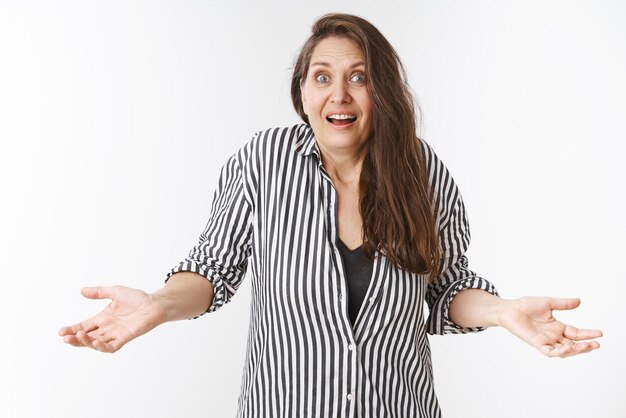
313 103
366 104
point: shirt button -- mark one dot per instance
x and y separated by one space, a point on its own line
372 299
349 396
340 297
351 347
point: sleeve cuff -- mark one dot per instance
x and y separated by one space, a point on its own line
216 281
439 321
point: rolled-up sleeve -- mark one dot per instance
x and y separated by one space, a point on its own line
225 244
454 235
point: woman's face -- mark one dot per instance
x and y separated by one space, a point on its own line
335 96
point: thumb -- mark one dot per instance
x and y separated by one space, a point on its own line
97 292
563 304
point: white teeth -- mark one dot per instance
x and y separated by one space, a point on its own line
336 116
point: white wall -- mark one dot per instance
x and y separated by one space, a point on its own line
116 116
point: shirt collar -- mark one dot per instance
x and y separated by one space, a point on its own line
307 144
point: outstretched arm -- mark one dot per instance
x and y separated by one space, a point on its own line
529 318
133 312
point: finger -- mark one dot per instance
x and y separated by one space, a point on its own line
556 350
71 330
581 348
98 292
108 347
568 350
65 331
96 335
574 333
105 337
100 346
562 351
87 326
85 339
546 349
103 334
575 349
590 346
72 340
562 304
103 346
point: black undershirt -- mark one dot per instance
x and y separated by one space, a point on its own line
358 275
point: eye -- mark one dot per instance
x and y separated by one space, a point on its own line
322 78
358 78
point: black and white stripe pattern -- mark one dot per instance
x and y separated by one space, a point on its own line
275 206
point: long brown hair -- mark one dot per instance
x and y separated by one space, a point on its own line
396 200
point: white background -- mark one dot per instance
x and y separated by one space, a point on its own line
115 118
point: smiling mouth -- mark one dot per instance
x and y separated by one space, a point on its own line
343 121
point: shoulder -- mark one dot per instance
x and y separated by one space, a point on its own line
438 173
275 141
446 194
431 159
278 135
270 147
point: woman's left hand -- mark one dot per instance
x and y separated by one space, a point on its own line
530 318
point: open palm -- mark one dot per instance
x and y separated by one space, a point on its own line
530 318
131 313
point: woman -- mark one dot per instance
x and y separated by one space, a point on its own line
350 223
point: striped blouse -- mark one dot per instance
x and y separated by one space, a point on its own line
275 208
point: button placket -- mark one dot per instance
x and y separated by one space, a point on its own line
333 228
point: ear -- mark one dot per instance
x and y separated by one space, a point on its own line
303 99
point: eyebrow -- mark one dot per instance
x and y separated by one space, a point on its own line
326 64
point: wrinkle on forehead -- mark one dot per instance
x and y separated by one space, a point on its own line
337 49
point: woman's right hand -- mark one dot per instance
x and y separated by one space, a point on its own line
131 313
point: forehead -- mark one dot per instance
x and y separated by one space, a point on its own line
334 50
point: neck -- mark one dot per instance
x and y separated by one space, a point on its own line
343 166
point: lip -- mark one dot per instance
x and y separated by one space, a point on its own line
341 127
340 112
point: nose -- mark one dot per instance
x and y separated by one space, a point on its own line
340 93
